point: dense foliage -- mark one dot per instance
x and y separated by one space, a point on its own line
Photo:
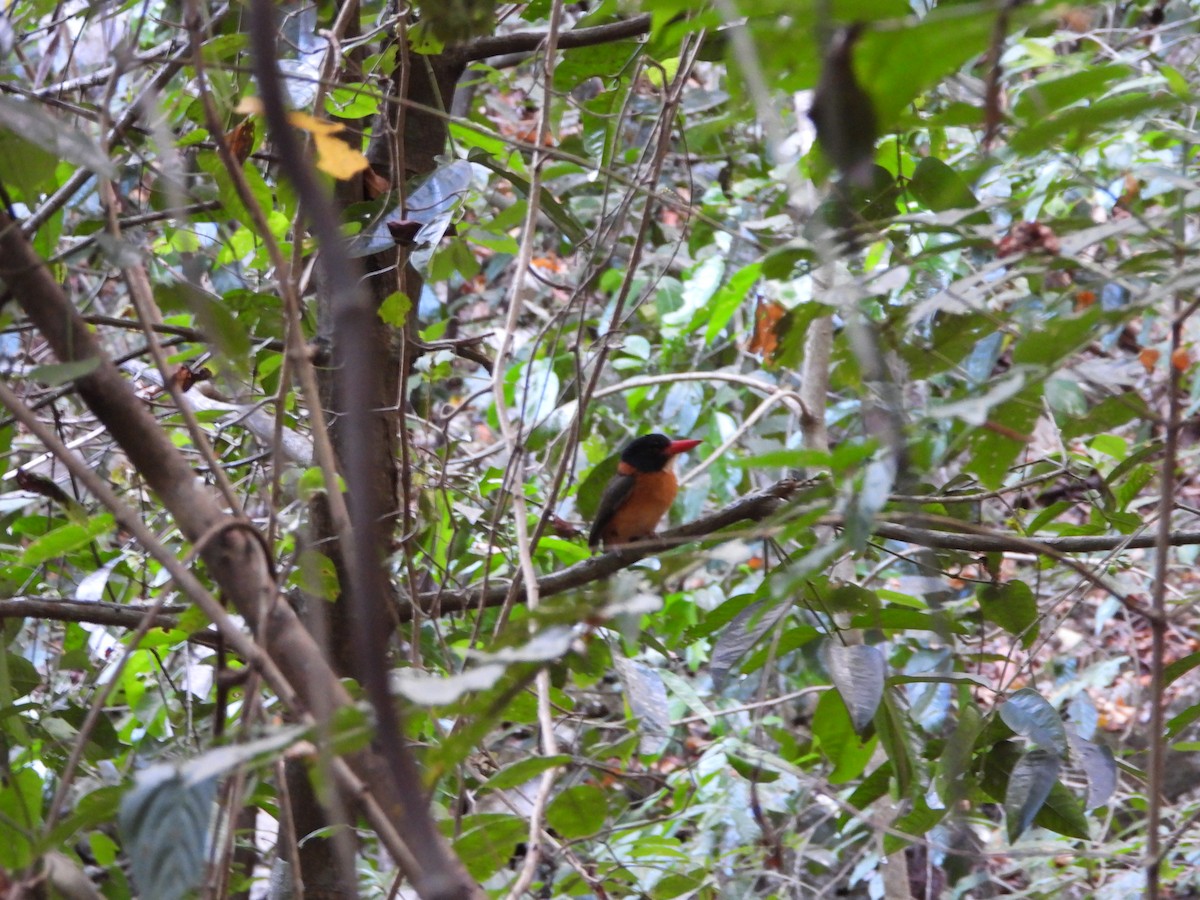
293 554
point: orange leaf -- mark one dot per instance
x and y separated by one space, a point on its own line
1181 359
1148 358
241 139
765 340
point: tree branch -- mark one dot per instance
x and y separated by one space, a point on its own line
755 508
94 612
529 41
760 506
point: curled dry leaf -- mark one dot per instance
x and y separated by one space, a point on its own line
768 315
241 139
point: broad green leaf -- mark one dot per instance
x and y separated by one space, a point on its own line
1068 130
581 63
394 309
939 187
1029 785
352 101
838 741
727 300
1006 433
858 673
20 816
1012 606
747 629
523 771
1029 714
917 821
165 822
1107 415
1099 767
65 539
1048 95
26 166
578 812
63 373
487 842
54 135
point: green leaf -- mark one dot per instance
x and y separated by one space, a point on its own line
1030 715
1181 667
20 816
487 842
63 373
1049 95
727 300
1013 607
555 211
523 771
1110 413
858 673
1068 130
900 64
62 141
994 448
65 539
939 187
353 101
578 812
1029 785
587 497
917 821
581 63
164 819
394 309
26 166
838 741
1053 340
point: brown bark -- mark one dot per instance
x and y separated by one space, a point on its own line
234 559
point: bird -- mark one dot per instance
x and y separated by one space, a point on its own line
641 492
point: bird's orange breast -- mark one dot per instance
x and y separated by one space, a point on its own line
648 501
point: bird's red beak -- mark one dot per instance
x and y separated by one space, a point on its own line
677 447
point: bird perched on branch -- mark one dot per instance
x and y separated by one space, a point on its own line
641 492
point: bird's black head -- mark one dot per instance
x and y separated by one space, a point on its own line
652 452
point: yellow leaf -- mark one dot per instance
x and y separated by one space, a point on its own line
313 125
337 157
334 156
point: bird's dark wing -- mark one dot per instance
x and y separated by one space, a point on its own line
616 492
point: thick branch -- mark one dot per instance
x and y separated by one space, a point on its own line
985 543
439 874
529 41
234 559
754 508
94 612
759 506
